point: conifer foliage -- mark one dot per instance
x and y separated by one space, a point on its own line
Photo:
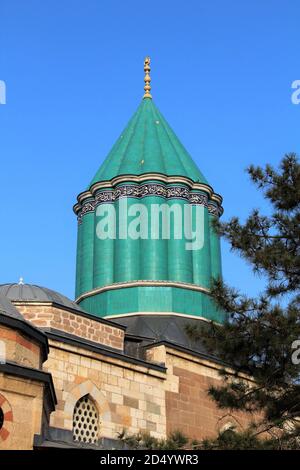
261 336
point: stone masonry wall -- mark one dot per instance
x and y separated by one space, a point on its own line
48 316
22 403
188 406
126 395
18 348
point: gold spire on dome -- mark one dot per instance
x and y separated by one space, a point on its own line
147 78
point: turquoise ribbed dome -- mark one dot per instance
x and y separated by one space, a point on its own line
124 275
147 145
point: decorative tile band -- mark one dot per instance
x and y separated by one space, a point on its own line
214 210
146 190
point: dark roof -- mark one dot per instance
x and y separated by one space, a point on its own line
33 293
100 348
164 328
8 309
159 327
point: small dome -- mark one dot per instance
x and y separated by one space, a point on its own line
33 293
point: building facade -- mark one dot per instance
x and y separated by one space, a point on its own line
76 373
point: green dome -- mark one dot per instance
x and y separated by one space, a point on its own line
133 275
147 145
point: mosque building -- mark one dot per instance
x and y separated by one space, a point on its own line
76 373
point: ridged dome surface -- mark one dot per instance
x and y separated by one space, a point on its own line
123 274
148 144
34 293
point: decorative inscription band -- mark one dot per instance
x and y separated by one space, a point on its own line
146 190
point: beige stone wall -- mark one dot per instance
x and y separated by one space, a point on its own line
46 315
136 398
126 395
19 349
22 402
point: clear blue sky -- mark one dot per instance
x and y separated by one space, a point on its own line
221 75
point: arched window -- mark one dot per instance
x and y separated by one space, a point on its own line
229 426
85 421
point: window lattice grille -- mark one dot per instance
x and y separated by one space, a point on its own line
85 421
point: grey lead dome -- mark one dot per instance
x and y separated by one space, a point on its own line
32 293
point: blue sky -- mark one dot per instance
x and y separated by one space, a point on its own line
221 75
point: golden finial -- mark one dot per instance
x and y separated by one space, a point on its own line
147 78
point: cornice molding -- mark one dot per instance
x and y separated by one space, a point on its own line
80 313
91 346
163 314
38 375
145 283
149 184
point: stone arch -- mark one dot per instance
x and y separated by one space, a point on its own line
86 421
7 418
228 422
86 388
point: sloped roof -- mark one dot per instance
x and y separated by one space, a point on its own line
147 145
165 328
8 309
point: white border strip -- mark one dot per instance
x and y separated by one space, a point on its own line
176 314
124 285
